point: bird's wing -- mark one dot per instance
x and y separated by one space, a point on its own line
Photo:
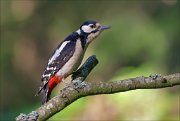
60 56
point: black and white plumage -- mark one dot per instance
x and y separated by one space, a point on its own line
60 56
68 56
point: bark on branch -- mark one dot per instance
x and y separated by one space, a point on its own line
78 89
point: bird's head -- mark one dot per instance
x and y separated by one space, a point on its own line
92 29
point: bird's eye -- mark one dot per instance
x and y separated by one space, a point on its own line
92 26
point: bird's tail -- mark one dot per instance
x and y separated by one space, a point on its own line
46 94
47 88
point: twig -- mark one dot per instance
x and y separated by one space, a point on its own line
79 89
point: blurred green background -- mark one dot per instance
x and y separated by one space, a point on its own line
144 39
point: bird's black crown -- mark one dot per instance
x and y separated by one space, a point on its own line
89 22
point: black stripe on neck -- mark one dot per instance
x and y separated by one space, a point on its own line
83 38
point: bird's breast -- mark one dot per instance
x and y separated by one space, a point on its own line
74 62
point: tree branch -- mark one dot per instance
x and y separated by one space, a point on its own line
78 89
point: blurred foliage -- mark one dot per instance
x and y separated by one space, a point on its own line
143 40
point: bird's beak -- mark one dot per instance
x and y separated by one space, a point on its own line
105 27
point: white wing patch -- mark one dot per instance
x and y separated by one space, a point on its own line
78 31
58 51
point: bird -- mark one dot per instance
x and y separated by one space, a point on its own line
68 56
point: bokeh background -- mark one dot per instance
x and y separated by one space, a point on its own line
144 39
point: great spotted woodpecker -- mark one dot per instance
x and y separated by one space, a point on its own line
68 56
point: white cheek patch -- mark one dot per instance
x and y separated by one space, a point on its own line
86 29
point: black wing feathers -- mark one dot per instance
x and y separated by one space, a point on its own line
66 53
